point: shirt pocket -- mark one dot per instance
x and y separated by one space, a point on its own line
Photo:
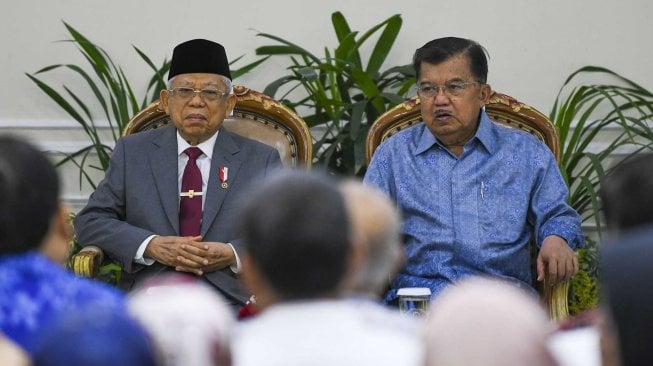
502 219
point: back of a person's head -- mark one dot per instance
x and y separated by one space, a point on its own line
440 50
189 323
486 322
29 195
627 292
375 224
627 194
297 234
95 336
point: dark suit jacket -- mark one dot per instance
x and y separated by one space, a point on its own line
139 197
627 292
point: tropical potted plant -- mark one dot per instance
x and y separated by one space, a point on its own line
109 87
341 95
616 113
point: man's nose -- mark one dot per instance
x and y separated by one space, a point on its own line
196 99
441 98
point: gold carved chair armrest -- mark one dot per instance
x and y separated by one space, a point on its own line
87 261
556 299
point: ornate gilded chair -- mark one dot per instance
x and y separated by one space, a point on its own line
256 116
504 110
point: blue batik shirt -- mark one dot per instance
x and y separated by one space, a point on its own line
34 292
473 214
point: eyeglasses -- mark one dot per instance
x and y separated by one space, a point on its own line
452 89
206 94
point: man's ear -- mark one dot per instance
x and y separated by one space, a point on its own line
56 244
231 104
163 100
400 260
358 253
357 258
486 91
248 272
256 283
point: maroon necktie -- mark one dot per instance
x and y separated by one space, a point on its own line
190 207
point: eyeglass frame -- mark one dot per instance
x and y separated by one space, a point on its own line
202 93
446 88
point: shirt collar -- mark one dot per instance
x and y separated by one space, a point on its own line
483 134
206 146
426 140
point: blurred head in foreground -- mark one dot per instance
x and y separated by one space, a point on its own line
35 289
375 225
297 238
31 216
189 323
627 195
486 322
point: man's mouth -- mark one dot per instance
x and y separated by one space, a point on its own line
442 115
195 117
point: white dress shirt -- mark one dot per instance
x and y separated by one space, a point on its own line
328 332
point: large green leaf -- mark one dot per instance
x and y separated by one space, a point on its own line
347 49
57 98
157 81
99 97
288 49
88 47
368 87
342 29
236 73
384 44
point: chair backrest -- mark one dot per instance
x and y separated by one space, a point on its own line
256 116
502 109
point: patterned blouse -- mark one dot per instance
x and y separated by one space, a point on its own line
35 291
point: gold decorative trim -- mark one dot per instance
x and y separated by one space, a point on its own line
411 103
87 262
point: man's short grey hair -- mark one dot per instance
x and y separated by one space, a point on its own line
376 224
225 81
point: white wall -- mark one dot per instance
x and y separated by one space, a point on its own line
533 44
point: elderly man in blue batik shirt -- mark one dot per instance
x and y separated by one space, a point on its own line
471 192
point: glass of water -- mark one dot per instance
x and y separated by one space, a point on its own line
414 301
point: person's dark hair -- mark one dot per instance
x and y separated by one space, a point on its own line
442 49
297 234
29 195
627 194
